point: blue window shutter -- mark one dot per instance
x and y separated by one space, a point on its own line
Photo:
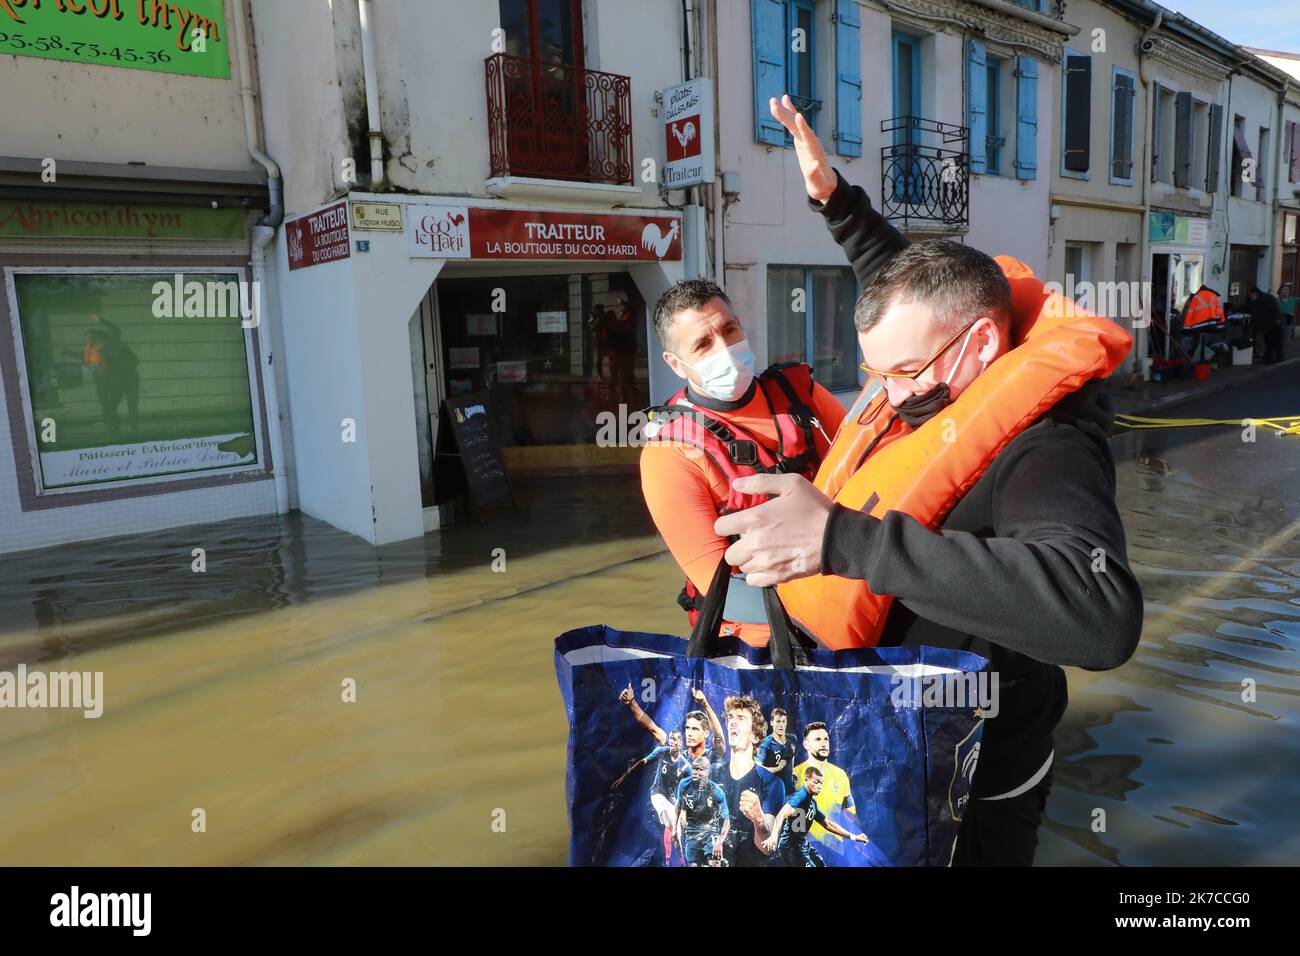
1026 117
770 42
977 108
848 79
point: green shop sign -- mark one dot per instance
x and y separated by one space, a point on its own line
153 35
53 220
1169 227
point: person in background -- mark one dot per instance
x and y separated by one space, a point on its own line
1266 321
600 322
780 416
1287 301
622 354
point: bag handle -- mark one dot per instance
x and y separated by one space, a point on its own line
704 635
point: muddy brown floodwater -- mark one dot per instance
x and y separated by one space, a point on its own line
223 690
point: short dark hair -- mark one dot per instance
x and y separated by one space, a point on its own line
816 725
699 715
746 703
959 282
779 711
811 770
680 296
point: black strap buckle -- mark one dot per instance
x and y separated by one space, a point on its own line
742 452
688 602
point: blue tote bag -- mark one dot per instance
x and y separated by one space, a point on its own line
710 752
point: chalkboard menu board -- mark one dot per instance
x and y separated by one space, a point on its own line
466 438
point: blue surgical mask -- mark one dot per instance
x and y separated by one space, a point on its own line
726 374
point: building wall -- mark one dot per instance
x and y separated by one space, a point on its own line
100 512
157 122
433 104
1250 219
771 224
302 100
346 323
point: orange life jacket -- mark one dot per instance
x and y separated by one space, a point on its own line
1203 311
800 442
878 463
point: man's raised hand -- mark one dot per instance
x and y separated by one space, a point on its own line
818 176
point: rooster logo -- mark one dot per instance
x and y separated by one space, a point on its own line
652 238
295 243
685 134
456 219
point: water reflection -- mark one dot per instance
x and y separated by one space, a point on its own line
1189 753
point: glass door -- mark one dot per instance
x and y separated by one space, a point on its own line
1185 271
906 179
546 94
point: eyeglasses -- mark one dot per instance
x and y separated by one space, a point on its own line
922 370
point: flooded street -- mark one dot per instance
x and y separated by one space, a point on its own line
1187 773
224 689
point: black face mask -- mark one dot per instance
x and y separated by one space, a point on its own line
916 410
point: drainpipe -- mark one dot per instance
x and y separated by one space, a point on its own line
719 201
263 235
1144 250
372 98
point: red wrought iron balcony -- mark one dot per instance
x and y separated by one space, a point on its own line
552 121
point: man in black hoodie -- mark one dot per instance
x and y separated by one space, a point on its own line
1029 569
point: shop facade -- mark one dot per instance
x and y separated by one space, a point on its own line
135 347
132 363
546 313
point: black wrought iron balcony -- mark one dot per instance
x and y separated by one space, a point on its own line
925 173
554 121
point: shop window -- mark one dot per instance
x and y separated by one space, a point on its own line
554 351
810 319
129 377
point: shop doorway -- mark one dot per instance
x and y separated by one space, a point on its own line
562 357
1243 273
1175 276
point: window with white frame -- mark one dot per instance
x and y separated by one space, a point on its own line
810 319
